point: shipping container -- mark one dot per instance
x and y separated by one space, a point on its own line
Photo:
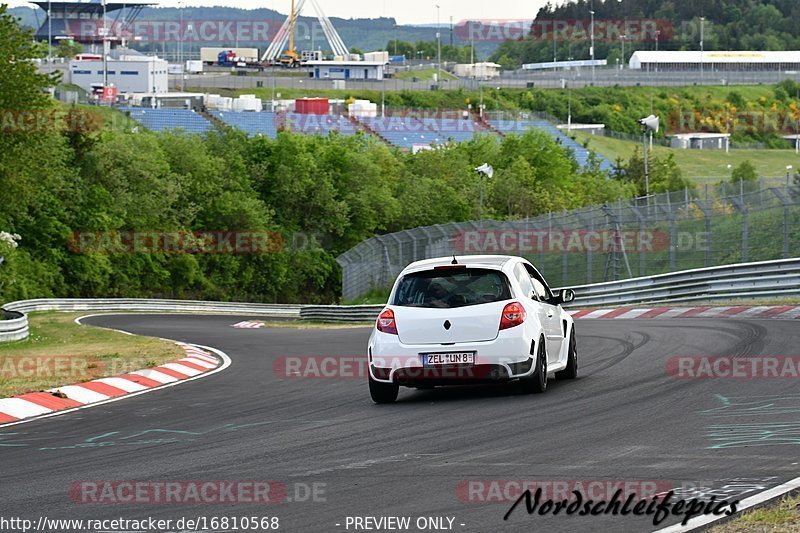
312 106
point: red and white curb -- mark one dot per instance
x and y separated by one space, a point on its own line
200 362
779 312
248 325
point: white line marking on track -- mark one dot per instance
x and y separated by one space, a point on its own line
748 503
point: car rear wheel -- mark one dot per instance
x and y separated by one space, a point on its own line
538 381
571 372
383 392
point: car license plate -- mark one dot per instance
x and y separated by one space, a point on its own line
451 358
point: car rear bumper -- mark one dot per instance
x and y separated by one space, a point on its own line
501 359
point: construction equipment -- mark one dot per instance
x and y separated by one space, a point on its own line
286 35
289 58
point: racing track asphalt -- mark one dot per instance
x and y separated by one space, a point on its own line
624 419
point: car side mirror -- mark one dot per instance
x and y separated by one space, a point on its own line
566 296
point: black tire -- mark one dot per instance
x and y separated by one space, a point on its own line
537 383
571 372
383 392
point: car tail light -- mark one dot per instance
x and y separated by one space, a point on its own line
513 315
386 322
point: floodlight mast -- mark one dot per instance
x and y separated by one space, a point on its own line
647 124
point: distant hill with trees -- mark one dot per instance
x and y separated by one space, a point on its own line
362 34
729 25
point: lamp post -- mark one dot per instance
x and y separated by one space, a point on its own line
702 46
438 48
591 49
180 41
49 36
105 51
483 170
647 124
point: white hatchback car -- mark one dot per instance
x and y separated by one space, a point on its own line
472 319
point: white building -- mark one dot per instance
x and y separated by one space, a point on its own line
348 70
128 73
701 141
481 71
715 61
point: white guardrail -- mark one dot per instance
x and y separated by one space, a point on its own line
768 279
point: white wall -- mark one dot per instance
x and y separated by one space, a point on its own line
148 76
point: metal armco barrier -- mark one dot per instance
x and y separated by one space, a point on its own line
17 328
341 313
767 279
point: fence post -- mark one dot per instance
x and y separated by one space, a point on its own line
742 208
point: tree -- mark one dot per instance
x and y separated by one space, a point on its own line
68 48
21 85
665 175
745 171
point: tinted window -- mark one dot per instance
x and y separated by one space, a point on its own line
538 284
524 280
452 287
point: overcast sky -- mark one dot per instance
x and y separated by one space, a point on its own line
405 11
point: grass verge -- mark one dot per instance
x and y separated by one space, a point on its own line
60 352
702 166
783 517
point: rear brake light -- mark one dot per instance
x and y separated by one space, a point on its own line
513 315
449 267
386 322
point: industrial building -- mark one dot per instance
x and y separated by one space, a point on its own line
480 71
348 70
713 61
128 71
701 141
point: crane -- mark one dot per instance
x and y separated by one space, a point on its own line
285 35
289 58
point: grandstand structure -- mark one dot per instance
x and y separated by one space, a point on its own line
169 119
404 132
83 22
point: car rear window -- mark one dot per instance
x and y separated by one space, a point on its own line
452 287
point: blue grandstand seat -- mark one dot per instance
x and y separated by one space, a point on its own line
404 132
169 119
